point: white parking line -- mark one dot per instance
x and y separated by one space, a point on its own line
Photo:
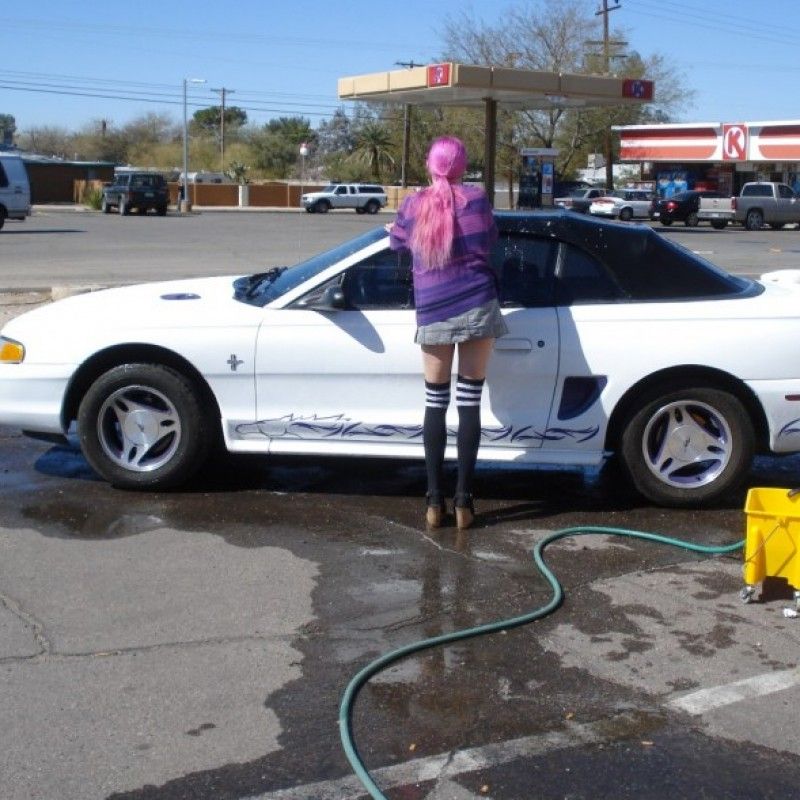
716 696
452 764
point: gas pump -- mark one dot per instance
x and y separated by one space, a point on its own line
536 177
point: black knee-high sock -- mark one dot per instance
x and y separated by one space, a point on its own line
468 400
434 434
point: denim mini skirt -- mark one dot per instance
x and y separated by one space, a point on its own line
482 322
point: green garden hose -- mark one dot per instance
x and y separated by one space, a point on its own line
355 685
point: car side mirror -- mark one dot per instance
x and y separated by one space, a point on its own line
332 300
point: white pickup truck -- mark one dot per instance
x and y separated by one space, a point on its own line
716 210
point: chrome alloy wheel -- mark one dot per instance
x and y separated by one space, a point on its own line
687 443
139 428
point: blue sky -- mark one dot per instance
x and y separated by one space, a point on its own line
285 58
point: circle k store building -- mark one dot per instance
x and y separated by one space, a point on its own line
713 156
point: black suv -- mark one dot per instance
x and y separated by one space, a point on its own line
139 190
681 207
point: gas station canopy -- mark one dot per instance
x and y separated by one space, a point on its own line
454 84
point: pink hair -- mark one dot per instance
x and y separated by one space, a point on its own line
432 235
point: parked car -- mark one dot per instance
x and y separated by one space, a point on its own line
623 204
136 190
580 199
762 202
365 198
681 207
15 189
620 342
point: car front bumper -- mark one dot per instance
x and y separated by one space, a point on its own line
31 396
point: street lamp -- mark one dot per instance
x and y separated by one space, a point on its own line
184 205
303 154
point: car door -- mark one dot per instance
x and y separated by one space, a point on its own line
349 378
788 208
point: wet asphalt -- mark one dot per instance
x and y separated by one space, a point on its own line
195 644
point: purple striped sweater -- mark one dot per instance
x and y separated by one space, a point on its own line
467 280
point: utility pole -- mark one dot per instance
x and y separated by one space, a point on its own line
406 130
608 153
223 92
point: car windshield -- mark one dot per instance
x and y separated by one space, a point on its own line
265 287
681 196
331 187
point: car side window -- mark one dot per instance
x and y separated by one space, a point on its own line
341 190
382 281
3 177
524 266
582 279
785 191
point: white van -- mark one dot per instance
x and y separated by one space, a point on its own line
15 190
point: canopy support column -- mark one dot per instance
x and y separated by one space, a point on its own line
489 147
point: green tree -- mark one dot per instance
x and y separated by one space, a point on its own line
207 120
374 148
276 146
8 127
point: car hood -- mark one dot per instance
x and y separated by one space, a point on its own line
192 303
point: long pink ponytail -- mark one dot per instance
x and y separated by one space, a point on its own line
432 235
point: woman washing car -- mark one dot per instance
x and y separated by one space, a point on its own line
449 230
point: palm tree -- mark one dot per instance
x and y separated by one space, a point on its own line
373 148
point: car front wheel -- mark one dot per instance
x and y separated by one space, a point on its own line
688 447
143 426
691 219
626 215
373 207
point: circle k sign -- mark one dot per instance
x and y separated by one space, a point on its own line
734 142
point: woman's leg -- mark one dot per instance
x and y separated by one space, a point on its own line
473 358
437 362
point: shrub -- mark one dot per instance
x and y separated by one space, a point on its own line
93 197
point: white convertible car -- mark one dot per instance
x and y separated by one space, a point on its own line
620 342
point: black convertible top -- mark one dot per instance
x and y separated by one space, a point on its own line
646 265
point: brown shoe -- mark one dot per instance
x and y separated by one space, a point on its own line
465 511
434 514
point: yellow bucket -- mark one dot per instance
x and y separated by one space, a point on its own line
773 536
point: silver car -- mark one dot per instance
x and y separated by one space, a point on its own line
623 204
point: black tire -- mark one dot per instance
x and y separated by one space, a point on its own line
373 207
754 220
161 211
141 210
322 206
687 447
666 222
311 209
360 210
2 218
161 409
691 220
123 208
104 206
776 226
719 224
626 215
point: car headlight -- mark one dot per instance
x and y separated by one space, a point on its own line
11 351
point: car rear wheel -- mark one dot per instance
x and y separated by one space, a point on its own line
691 219
754 220
719 224
373 207
322 206
2 218
687 447
161 211
666 222
626 215
776 226
143 426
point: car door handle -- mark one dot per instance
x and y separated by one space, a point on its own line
524 345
